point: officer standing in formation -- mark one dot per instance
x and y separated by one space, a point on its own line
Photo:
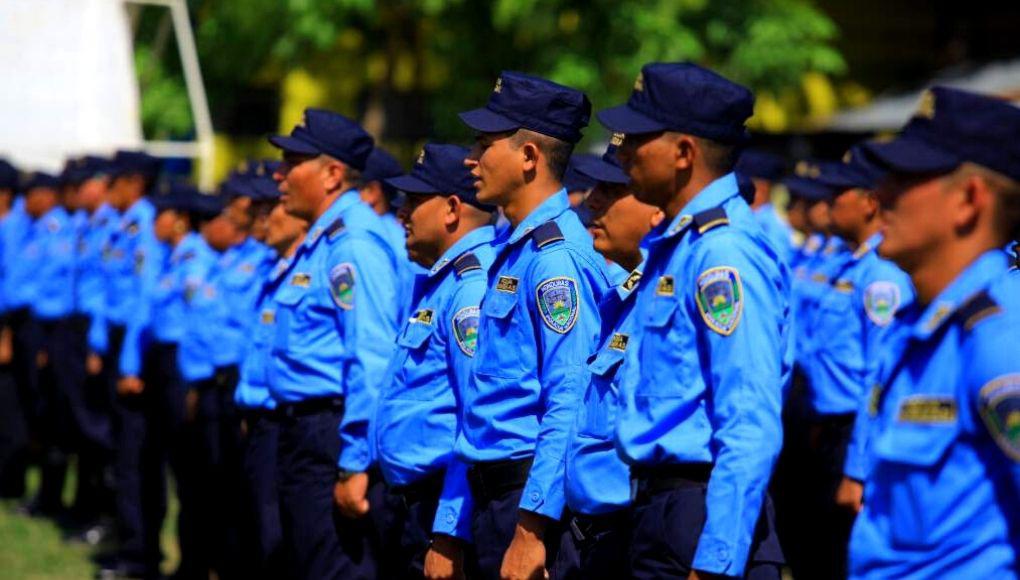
498 390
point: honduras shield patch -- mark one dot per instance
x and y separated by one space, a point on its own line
881 300
1000 409
465 329
341 285
558 303
720 299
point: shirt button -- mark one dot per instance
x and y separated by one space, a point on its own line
535 496
723 554
450 519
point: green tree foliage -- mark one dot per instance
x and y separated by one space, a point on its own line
444 55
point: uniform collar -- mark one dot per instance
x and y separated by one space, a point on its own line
335 211
869 245
188 243
978 276
548 210
473 239
141 208
713 195
56 214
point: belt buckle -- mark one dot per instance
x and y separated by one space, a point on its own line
575 529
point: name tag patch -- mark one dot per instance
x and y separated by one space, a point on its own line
619 342
665 287
507 284
927 409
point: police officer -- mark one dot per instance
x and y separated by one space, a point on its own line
449 234
944 485
13 431
336 317
595 543
854 328
765 169
701 426
542 297
284 234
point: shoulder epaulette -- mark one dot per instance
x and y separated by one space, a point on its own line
335 228
977 308
466 263
710 219
546 234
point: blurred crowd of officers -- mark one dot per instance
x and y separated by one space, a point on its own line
514 361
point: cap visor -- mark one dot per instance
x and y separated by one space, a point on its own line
623 119
486 121
911 155
293 145
808 189
600 170
411 184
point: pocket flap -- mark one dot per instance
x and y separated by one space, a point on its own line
415 335
499 304
606 362
660 311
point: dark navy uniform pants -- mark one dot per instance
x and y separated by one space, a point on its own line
404 515
323 545
666 526
23 424
593 547
492 527
262 516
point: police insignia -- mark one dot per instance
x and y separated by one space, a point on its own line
720 299
268 317
139 262
558 303
132 229
619 342
999 401
881 300
247 268
465 329
424 316
341 285
507 284
665 286
301 280
632 281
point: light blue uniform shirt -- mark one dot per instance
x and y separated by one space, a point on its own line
416 423
91 283
49 253
237 285
715 358
336 321
852 321
776 229
131 262
597 480
16 270
539 322
943 495
253 389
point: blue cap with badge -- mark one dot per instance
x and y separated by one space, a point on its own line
440 169
805 182
573 178
857 171
41 180
686 98
135 163
324 132
607 168
380 166
521 101
951 127
757 164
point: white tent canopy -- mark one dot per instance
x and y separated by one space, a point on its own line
70 85
889 113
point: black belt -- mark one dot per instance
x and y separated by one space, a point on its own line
587 528
839 421
650 480
253 416
310 407
491 479
425 489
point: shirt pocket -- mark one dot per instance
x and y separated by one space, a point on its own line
288 316
665 348
503 343
422 367
915 476
600 398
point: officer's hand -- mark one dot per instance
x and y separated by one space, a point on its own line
130 386
525 558
6 346
696 575
850 495
42 358
349 495
191 405
445 559
93 364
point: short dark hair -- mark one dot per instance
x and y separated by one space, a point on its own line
556 151
720 158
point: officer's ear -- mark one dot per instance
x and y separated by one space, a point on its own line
451 213
686 150
973 199
657 218
334 173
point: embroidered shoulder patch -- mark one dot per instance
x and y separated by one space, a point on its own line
720 299
341 285
881 300
465 329
558 303
999 402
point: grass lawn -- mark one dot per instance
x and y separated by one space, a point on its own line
34 549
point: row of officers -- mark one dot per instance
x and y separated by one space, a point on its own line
670 378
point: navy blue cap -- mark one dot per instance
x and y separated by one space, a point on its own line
440 169
380 165
950 127
607 168
8 175
805 183
857 171
206 205
573 179
169 195
261 182
758 164
324 132
39 179
521 101
135 163
686 98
